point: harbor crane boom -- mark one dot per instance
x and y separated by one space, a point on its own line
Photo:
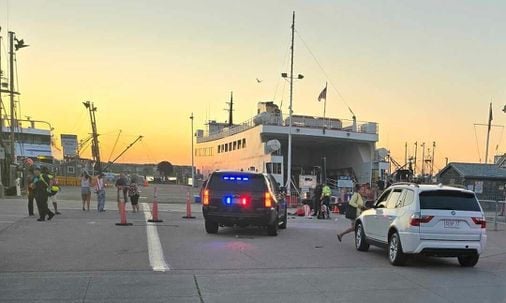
121 154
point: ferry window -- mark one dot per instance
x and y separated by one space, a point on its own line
243 143
219 149
235 145
276 168
226 147
239 144
70 170
230 146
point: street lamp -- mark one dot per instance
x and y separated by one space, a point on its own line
290 112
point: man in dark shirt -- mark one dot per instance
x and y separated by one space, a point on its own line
317 199
40 184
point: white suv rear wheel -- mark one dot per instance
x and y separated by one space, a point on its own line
395 254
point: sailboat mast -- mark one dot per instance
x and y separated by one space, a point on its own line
488 132
289 169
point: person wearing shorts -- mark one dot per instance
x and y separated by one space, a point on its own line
133 193
86 190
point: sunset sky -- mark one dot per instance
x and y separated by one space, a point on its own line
424 70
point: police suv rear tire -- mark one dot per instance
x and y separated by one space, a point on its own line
211 227
285 220
272 230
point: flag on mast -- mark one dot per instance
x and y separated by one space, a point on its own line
323 94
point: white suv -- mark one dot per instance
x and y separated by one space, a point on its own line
431 220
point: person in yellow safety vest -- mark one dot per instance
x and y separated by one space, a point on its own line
325 200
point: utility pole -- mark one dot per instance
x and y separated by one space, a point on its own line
95 149
405 153
11 93
193 152
416 153
432 160
423 160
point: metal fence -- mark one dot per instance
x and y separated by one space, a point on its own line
495 212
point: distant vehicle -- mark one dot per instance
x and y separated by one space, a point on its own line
432 220
243 198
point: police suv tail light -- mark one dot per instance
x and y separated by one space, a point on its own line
206 197
417 219
267 200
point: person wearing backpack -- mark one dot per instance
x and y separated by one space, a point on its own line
133 193
355 207
325 202
40 186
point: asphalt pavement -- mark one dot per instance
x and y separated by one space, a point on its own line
83 256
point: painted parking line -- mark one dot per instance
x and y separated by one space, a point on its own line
156 257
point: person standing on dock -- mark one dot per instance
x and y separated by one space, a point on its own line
100 190
53 189
29 191
122 186
133 193
85 190
40 185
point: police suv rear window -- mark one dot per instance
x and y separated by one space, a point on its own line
237 182
448 200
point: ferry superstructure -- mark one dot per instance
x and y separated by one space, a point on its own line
340 147
30 142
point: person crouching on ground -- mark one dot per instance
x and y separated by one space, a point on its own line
357 202
40 185
100 190
133 193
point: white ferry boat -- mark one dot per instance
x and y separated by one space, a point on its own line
328 146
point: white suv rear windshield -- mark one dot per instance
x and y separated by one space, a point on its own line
448 199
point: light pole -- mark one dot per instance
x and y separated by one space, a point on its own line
193 154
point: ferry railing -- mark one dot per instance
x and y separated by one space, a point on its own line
297 121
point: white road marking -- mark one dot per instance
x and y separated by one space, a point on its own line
156 257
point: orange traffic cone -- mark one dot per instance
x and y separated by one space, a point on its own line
122 214
335 210
188 208
154 208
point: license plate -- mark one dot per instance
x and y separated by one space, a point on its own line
451 223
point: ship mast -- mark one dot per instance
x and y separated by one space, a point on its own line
231 109
488 132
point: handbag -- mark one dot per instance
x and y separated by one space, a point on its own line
351 212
